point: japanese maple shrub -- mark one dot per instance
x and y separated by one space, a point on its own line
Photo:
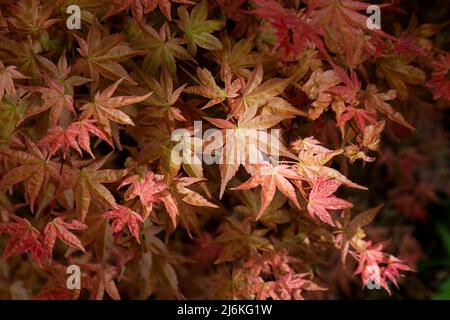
90 118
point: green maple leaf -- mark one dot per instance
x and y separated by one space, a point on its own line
163 49
197 29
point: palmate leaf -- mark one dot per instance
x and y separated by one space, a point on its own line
7 76
124 216
273 215
197 29
256 93
313 159
54 99
21 54
101 56
271 178
189 203
398 72
104 107
12 110
75 136
58 228
30 17
239 240
61 72
87 183
244 142
35 170
164 100
361 220
377 101
321 199
24 238
238 56
150 189
209 89
163 48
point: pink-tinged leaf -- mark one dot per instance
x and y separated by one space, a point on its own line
321 199
123 217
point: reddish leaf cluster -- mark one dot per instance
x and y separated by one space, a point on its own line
89 116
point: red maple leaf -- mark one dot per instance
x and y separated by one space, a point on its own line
7 76
57 228
24 238
321 199
270 178
124 216
75 136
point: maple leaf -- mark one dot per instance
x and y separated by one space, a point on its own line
101 56
124 216
7 76
361 220
58 228
378 266
273 215
147 188
29 17
162 103
238 56
75 136
256 94
312 162
316 88
440 86
35 170
240 240
292 31
326 13
245 142
398 72
393 268
54 98
372 135
352 86
138 8
157 145
61 73
12 110
377 101
104 107
321 199
291 285
56 286
156 265
163 49
439 83
362 118
197 29
189 203
151 189
21 54
270 178
24 238
209 89
88 182
102 281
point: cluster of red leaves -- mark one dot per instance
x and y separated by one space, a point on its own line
140 224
